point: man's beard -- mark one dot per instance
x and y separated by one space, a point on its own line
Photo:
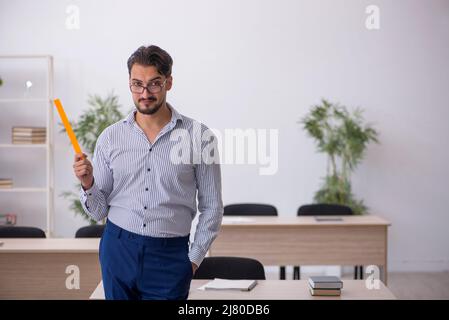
148 110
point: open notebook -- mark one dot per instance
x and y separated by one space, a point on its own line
224 284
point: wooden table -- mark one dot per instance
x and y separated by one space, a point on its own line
355 240
278 290
36 268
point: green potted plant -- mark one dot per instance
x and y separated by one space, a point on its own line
343 136
101 114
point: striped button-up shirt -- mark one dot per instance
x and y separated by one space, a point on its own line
138 187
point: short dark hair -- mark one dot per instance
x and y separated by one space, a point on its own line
152 56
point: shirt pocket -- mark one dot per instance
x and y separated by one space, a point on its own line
184 172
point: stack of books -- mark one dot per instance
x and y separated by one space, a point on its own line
5 183
325 286
29 135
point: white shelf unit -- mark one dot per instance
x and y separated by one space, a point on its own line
47 101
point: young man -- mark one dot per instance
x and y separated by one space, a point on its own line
149 199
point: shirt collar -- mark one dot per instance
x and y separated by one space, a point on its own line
175 116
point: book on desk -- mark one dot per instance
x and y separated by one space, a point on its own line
325 286
225 284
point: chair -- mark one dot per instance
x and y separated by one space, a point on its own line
325 209
253 209
21 232
250 209
93 231
234 268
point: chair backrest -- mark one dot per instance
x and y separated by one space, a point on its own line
324 209
250 209
235 268
21 232
94 231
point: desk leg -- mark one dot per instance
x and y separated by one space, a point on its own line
282 272
384 267
384 275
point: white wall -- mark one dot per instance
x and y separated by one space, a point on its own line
262 64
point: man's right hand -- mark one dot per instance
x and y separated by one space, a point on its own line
84 171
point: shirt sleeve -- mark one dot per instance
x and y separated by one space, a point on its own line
94 200
210 205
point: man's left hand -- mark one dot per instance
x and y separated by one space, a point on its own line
194 268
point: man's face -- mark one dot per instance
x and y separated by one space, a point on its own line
148 102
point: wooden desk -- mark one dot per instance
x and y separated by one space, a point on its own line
36 268
356 240
278 290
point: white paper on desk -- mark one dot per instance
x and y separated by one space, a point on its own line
224 284
236 219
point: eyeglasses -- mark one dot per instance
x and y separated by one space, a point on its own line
154 87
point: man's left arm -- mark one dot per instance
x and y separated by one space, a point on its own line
210 205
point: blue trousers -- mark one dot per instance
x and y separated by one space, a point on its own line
136 267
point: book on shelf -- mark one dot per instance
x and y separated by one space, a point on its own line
29 129
8 219
325 282
225 284
5 183
28 134
28 137
29 141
